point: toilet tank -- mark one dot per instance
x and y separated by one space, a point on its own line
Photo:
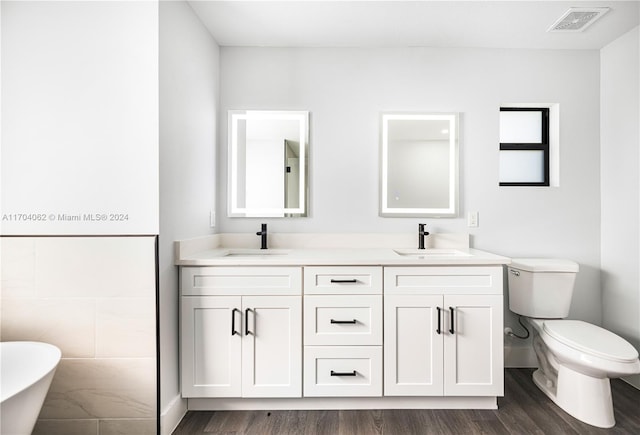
541 288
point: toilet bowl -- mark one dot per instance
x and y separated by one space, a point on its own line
575 359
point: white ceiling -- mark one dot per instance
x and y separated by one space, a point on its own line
396 23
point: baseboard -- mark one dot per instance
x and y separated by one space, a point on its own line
172 414
519 357
342 403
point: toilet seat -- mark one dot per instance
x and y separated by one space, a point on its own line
591 339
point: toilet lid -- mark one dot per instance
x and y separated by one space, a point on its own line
591 339
544 265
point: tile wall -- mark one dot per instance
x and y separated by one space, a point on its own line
94 298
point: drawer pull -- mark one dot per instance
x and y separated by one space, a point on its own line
233 321
451 331
343 281
353 373
344 322
246 321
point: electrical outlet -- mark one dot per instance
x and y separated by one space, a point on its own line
212 218
472 219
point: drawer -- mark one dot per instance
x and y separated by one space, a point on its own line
199 281
343 280
343 320
443 280
342 371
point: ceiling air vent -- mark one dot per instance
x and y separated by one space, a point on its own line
577 19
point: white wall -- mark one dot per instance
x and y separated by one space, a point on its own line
620 184
80 136
345 91
188 111
79 118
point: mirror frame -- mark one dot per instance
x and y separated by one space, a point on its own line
452 209
234 116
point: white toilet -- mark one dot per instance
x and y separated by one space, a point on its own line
576 359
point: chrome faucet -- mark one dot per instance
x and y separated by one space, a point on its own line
263 236
421 235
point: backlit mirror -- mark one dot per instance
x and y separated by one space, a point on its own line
419 164
268 163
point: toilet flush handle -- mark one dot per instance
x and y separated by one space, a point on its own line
514 272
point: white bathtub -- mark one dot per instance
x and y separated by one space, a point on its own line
26 371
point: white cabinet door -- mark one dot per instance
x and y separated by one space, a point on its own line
464 359
272 346
412 346
473 358
211 351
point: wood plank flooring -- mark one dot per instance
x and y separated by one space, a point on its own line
523 410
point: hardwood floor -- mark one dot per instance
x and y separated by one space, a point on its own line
523 410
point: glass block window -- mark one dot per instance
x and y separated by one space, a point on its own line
524 146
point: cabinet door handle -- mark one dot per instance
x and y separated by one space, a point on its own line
343 281
438 330
343 322
233 321
353 373
246 322
451 310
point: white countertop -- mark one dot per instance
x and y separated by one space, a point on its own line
337 257
209 252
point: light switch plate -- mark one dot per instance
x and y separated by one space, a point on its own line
472 219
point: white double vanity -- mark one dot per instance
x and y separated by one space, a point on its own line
340 322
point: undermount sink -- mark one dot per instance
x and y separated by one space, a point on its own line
431 252
255 252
